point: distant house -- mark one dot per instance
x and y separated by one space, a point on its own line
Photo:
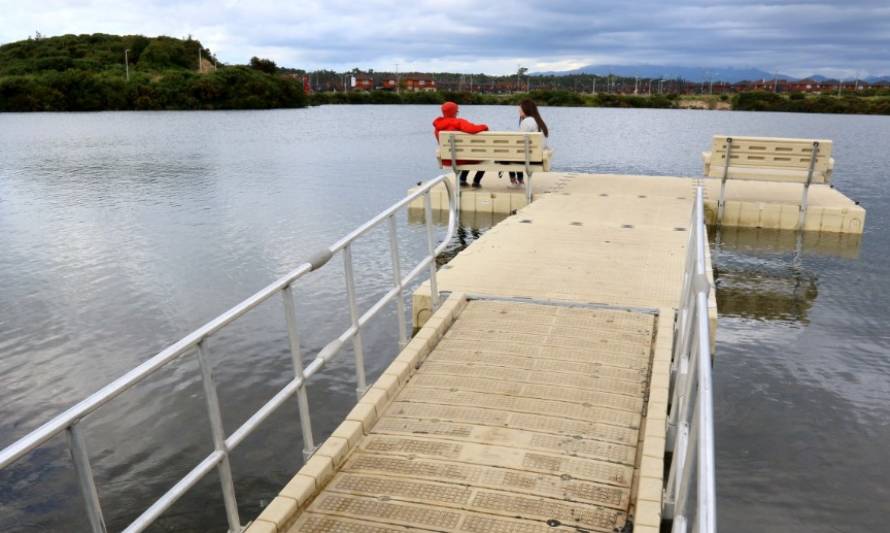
420 83
389 83
362 82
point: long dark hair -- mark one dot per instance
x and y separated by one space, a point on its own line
531 110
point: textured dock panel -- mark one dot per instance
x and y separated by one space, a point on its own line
524 418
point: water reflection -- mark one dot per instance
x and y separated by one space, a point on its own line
762 274
765 295
844 245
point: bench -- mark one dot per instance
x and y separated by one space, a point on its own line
804 161
495 151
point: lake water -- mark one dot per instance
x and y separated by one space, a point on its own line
121 232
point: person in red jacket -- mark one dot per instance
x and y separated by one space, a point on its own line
449 122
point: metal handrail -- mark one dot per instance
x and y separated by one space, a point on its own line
68 421
690 498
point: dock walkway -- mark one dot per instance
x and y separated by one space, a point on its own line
536 397
520 410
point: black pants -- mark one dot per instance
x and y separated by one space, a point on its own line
518 176
477 179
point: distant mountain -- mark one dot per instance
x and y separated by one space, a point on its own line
876 79
696 74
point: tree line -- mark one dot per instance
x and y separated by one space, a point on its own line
542 97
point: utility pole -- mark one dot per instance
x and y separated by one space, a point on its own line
593 89
398 80
637 85
127 63
200 62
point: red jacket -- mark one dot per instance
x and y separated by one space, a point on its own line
449 122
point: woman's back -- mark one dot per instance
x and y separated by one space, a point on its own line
529 124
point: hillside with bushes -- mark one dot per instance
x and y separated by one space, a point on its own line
87 73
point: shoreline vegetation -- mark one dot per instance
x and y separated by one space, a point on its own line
753 101
88 73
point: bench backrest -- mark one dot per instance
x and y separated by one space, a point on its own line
790 157
491 146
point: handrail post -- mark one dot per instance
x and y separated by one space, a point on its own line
528 171
804 201
707 490
224 468
721 203
397 280
453 146
290 314
361 384
431 250
80 456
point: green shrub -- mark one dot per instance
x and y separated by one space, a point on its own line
759 101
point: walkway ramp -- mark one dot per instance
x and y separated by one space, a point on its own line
524 417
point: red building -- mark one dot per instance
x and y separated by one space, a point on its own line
362 82
419 83
389 83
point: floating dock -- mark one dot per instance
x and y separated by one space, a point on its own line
536 397
749 204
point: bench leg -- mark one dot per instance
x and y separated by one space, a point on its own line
804 203
804 200
721 202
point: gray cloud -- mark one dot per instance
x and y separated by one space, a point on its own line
797 38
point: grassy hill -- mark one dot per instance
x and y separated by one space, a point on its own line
87 73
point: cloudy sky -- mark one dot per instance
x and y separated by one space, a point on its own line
841 37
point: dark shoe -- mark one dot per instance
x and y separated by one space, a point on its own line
464 184
477 185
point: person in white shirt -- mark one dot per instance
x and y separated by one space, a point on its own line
529 121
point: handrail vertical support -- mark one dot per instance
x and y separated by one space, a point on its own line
453 146
721 203
431 249
804 201
361 384
397 280
224 468
528 171
81 458
290 313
